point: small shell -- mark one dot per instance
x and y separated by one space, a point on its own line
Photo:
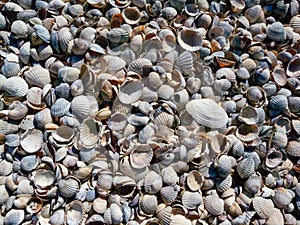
247 133
254 13
295 23
190 39
168 194
282 198
88 133
248 115
118 35
60 107
279 102
165 92
253 184
34 205
276 32
75 212
17 110
169 176
29 163
63 90
43 178
293 148
32 141
131 15
164 215
246 167
148 204
8 128
10 69
279 76
207 112
223 185
15 87
191 200
152 183
293 66
214 205
69 187
263 207
141 156
68 74
19 29
64 37
117 121
138 65
37 76
35 99
80 106
130 92
14 216
256 96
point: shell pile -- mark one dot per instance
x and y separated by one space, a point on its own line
150 112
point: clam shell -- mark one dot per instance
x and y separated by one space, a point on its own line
293 66
165 92
180 219
279 76
246 167
60 107
169 175
223 165
17 110
34 205
19 29
148 204
25 187
32 141
131 15
253 13
117 121
37 76
191 200
247 132
207 112
153 183
194 180
276 218
263 207
190 39
256 96
64 38
164 215
118 35
63 90
138 65
279 102
15 87
14 216
29 163
168 194
141 156
6 168
253 184
8 128
43 178
63 134
10 69
131 92
69 186
58 217
223 185
42 118
282 198
293 148
248 115
88 133
295 23
80 107
68 74
75 212
185 62
214 205
276 32
35 99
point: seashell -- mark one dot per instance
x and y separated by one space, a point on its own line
263 207
15 87
138 65
58 217
141 156
117 121
29 163
14 216
12 140
193 85
189 39
276 218
246 167
256 96
80 106
200 111
10 69
68 74
168 12
148 204
153 183
80 46
63 90
43 178
179 219
131 15
77 88
7 128
248 115
169 176
114 214
17 110
164 214
191 9
293 148
130 92
185 62
279 102
6 167
32 140
293 66
19 29
34 98
276 32
88 133
191 200
295 23
34 205
294 104
165 92
253 184
282 198
63 134
60 107
279 76
214 205
69 186
75 212
37 76
194 180
223 165
168 195
254 13
223 185
118 35
64 38
237 5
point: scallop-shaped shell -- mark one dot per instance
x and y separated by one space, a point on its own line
64 38
276 32
141 156
88 133
293 148
63 134
279 102
32 140
254 13
169 175
131 15
19 29
15 87
43 178
75 213
77 88
191 200
185 62
214 205
80 106
117 121
148 204
17 110
153 183
293 67
58 217
138 65
131 92
42 118
10 69
223 185
223 165
37 76
253 184
69 186
279 76
14 216
246 167
68 74
295 23
243 73
42 33
8 128
282 198
190 39
12 140
247 132
263 207
118 35
180 219
256 96
164 214
63 90
60 107
207 112
29 163
168 194
248 115
165 92
194 180
6 168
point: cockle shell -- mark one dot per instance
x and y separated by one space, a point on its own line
15 216
214 205
37 76
190 39
263 207
148 204
131 92
191 200
207 112
15 87
245 168
293 148
153 183
32 141
69 186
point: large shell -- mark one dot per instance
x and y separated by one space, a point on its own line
37 76
15 216
88 132
148 204
246 167
131 92
191 200
153 183
276 32
80 106
15 87
32 141
19 29
69 186
263 207
207 112
190 39
214 205
75 213
293 148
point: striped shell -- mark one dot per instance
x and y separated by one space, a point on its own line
8 128
69 186
130 92
207 112
29 163
295 23
168 194
60 107
194 180
293 66
14 216
64 37
80 106
253 184
169 175
223 185
141 156
19 29
88 133
15 87
153 183
246 167
37 76
10 69
75 212
148 204
293 148
190 39
68 74
282 198
214 205
191 200
276 32
263 207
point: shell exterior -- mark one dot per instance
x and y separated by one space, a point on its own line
131 92
80 107
282 198
253 184
168 194
15 87
191 200
88 133
60 107
153 183
276 32
246 167
214 205
15 216
148 204
207 112
263 207
69 187
37 76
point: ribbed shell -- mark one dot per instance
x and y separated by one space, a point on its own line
69 187
246 167
223 165
279 102
282 198
276 32
223 185
148 204
37 76
141 156
185 62
131 92
8 128
15 87
68 74
190 39
138 65
253 184
60 107
80 107
89 133
293 148
191 200
32 141
253 13
207 112
295 23
169 176
75 213
153 183
247 132
14 216
194 180
10 69
168 194
165 92
164 215
263 207
19 29
58 217
214 205
29 163
64 38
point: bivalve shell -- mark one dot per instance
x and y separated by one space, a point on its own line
32 141
190 39
263 207
37 76
214 205
15 87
